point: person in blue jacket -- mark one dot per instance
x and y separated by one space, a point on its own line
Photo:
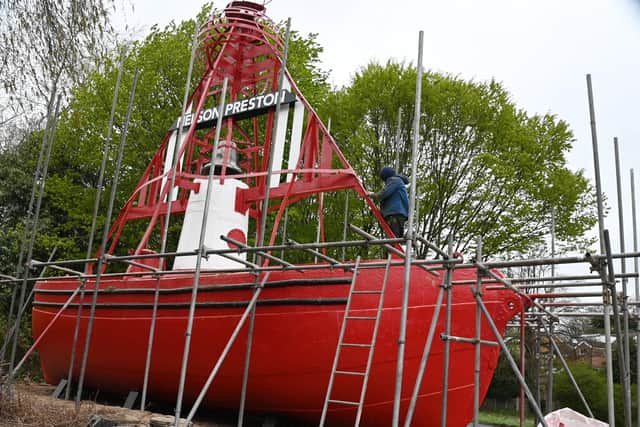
394 202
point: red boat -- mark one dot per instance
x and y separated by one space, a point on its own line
301 308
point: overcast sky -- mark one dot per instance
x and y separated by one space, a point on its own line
540 50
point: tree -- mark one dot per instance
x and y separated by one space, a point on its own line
48 43
485 167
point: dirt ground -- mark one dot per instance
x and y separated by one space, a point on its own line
31 404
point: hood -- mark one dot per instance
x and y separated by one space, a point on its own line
387 172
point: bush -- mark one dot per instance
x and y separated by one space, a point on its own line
505 384
593 384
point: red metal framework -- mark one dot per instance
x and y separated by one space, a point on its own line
242 44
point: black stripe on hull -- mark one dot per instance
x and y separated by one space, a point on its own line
212 304
208 288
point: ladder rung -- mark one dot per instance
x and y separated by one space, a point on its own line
367 292
361 317
358 374
353 344
344 402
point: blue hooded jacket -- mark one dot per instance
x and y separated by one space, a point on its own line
393 197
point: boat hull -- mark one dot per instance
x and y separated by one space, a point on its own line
296 330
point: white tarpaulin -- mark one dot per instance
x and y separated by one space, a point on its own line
566 417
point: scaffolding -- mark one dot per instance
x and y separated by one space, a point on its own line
541 318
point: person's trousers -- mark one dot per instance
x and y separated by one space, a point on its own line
396 222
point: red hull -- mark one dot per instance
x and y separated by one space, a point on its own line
297 326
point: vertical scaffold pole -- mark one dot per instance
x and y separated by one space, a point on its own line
265 203
447 331
637 281
285 223
623 269
321 206
345 223
611 279
522 365
105 235
553 244
165 231
409 241
425 356
247 361
477 291
34 230
606 294
96 207
536 356
396 163
550 348
201 254
550 372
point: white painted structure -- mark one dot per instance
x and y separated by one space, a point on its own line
279 140
221 220
168 159
296 138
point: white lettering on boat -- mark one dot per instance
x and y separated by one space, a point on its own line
243 108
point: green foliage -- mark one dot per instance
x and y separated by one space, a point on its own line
484 167
303 62
504 384
593 385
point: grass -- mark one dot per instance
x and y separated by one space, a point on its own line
503 418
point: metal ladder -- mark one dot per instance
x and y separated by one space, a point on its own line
348 318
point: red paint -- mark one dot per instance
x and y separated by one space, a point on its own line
293 345
237 235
